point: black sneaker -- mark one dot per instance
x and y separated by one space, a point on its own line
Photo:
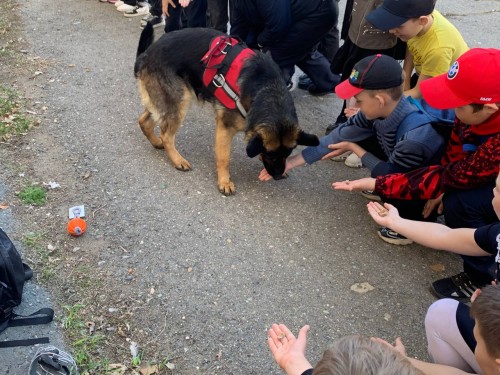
392 237
313 90
459 287
340 120
304 82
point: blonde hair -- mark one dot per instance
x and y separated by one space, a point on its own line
358 355
486 311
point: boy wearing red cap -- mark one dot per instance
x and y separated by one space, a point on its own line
468 169
433 43
388 133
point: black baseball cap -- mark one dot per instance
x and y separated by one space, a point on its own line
393 13
375 72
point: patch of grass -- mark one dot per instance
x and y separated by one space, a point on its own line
84 344
32 239
34 195
11 121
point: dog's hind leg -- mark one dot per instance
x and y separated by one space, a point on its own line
147 125
224 134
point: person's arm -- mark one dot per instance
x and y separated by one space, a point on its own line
288 351
415 92
433 235
426 367
407 69
355 129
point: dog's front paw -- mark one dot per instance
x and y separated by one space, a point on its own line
183 165
227 188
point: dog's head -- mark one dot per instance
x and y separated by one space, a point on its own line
274 148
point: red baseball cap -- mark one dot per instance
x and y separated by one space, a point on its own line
472 79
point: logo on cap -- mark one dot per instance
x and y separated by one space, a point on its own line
452 73
354 75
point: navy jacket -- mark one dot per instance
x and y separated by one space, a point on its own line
266 22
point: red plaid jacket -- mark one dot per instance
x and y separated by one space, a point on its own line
472 159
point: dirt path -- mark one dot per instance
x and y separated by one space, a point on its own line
193 277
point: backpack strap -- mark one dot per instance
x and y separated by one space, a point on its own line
42 316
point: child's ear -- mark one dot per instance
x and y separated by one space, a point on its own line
491 108
423 20
382 99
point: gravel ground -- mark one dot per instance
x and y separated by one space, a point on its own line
197 276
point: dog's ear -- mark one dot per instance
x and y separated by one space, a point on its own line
255 146
306 139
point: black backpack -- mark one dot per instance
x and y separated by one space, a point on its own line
13 274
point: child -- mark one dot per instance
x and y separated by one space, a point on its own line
469 167
433 43
452 343
356 355
361 39
351 355
372 134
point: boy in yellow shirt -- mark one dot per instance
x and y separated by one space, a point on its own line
433 43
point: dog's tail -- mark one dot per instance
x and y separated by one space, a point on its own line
146 39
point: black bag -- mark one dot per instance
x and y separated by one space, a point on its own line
13 274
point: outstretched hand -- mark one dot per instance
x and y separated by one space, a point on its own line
383 215
398 345
165 4
355 185
289 351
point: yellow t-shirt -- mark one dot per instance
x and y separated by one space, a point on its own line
435 51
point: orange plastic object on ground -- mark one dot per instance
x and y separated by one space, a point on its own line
77 226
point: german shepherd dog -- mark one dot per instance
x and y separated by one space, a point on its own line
169 75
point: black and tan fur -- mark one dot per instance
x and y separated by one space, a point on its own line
169 75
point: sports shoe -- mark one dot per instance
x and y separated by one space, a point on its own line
118 3
392 237
156 21
314 91
340 120
125 8
103 1
112 1
459 287
341 157
370 195
304 82
138 11
353 161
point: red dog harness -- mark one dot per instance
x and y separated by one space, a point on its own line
223 63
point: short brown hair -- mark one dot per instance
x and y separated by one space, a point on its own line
486 311
394 92
354 355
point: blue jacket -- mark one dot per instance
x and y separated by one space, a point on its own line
419 147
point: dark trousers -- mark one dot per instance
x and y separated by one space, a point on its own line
155 8
196 13
472 209
298 46
218 14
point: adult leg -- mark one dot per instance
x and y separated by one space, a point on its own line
173 21
218 15
197 13
449 327
298 45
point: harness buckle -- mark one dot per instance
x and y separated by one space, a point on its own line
226 49
219 80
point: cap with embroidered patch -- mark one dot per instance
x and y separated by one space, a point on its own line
470 80
375 72
393 13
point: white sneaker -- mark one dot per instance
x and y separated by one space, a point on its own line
341 157
142 4
125 8
118 3
142 11
353 161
